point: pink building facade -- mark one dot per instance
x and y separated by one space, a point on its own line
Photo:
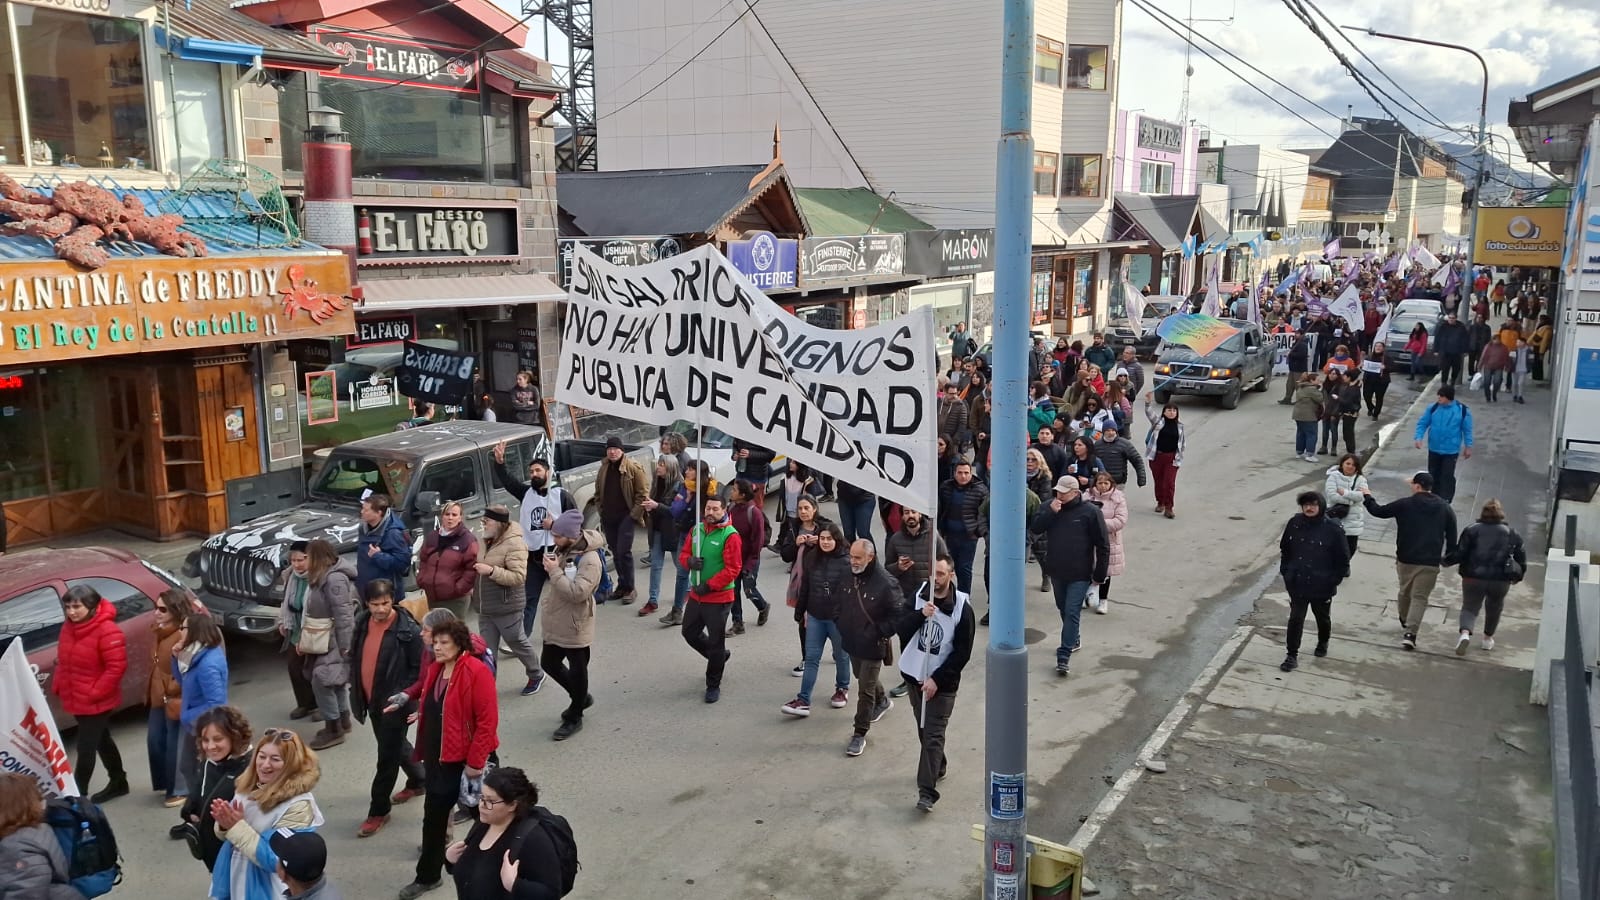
1155 156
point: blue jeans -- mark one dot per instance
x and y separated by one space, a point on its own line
817 631
658 556
1069 600
964 550
856 519
531 589
745 586
1416 364
1305 438
162 741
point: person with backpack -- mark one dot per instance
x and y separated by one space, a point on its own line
30 855
502 572
91 658
575 571
1447 424
273 792
518 850
1492 560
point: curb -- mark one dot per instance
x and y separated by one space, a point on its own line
1387 432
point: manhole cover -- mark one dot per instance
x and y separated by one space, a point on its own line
1032 635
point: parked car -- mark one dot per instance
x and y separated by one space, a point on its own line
1120 332
1420 307
32 583
1399 333
1228 289
1242 362
241 569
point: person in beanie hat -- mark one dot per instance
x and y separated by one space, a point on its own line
620 489
302 865
574 571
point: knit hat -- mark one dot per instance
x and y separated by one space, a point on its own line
614 441
568 525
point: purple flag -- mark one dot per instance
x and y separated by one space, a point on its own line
1452 284
1331 249
1350 267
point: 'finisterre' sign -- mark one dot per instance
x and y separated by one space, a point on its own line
51 310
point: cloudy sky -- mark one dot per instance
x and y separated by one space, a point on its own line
1527 43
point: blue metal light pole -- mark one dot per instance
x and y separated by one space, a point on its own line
1006 709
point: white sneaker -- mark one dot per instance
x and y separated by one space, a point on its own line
1462 643
1488 642
1100 607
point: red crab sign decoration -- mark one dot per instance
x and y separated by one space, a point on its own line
302 296
78 216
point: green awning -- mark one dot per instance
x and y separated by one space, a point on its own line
842 211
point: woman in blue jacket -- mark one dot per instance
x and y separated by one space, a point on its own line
201 665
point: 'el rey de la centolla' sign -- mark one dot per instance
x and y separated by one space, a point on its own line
50 310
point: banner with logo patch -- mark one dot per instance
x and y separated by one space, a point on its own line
690 338
30 743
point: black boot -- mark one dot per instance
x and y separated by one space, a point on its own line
1290 663
117 788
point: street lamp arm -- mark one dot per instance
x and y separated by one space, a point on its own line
1373 32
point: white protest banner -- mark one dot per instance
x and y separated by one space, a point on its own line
30 743
1348 307
690 338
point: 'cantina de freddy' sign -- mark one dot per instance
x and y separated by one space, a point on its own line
50 310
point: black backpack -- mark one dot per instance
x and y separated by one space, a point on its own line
560 834
93 864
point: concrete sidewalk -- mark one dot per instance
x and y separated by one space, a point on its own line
1372 773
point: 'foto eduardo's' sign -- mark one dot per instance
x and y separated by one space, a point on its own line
50 310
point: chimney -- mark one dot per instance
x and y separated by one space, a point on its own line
330 215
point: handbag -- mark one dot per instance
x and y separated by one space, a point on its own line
1338 510
885 646
316 636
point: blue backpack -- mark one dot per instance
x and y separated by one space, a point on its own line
93 864
602 591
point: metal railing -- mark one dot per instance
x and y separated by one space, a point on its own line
1574 710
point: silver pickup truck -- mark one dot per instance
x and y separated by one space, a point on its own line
241 569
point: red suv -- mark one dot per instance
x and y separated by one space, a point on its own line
32 583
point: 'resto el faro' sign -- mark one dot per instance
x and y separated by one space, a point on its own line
50 310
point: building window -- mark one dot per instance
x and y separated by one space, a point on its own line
1082 286
1353 229
1155 178
1080 175
1044 174
1086 67
83 91
1041 303
505 139
1047 62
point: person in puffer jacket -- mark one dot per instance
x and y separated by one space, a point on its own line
1343 489
322 586
502 592
575 572
445 570
1313 560
33 866
1116 453
91 658
1492 560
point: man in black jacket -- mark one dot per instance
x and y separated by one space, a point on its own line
1425 538
936 636
1451 341
868 615
1478 337
1299 359
959 522
755 464
1313 558
1077 553
377 675
1117 453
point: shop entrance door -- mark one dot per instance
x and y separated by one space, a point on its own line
132 461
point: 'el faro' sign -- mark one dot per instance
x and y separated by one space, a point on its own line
50 310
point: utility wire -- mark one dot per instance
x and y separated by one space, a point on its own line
462 55
749 8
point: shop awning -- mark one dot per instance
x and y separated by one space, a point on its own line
469 290
517 74
211 31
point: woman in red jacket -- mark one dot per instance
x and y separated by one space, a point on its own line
91 658
444 567
457 729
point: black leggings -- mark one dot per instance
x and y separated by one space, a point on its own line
442 788
1105 589
1372 394
94 736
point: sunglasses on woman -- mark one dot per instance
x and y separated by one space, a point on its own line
280 735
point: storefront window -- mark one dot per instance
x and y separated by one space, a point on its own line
1083 286
366 397
84 90
504 138
409 133
1041 297
202 125
292 120
47 454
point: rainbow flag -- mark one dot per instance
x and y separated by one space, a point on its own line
1202 334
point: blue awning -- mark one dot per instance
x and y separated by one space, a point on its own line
198 49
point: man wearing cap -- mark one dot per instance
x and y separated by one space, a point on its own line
302 864
714 557
1447 423
1130 363
574 570
1077 554
502 571
621 488
1425 538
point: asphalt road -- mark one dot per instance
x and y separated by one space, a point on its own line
670 797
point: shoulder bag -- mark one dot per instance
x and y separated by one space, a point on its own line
885 646
316 636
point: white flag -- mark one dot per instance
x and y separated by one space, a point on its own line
1213 304
1425 257
1348 306
1133 307
30 743
689 337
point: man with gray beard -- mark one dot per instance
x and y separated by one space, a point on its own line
867 618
